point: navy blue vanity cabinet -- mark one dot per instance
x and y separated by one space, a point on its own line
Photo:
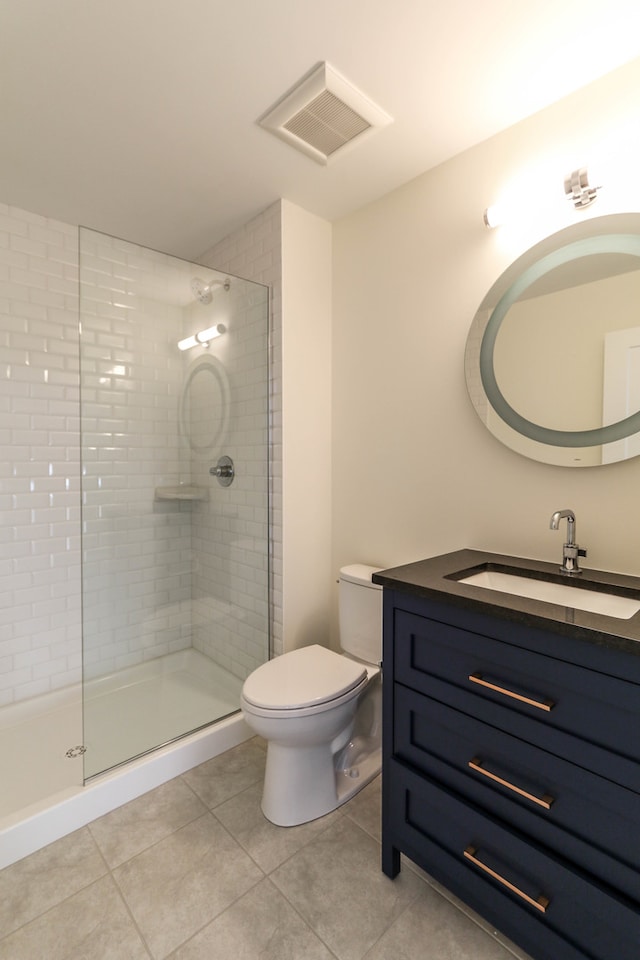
511 774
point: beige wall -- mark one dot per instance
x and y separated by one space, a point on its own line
415 472
306 427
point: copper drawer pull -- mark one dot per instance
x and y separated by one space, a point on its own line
540 704
544 801
540 903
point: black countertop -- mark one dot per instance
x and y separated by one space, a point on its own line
438 578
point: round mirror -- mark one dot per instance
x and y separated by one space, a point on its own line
204 406
553 354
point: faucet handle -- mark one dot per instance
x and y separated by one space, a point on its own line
570 550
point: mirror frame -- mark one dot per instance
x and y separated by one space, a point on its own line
544 257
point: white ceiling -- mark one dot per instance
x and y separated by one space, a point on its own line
138 117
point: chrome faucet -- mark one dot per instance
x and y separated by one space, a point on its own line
570 549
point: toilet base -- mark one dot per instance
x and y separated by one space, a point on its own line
322 781
362 771
299 783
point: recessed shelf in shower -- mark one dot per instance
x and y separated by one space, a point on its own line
182 491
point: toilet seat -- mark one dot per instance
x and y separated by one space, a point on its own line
302 682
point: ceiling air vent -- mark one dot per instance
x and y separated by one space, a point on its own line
323 115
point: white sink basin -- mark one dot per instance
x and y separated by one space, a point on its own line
565 594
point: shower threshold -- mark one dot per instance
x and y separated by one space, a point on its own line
45 799
126 715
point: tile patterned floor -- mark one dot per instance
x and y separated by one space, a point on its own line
193 871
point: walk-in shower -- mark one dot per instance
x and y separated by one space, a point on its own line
174 594
167 586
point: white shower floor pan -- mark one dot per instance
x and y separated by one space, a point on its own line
135 710
127 715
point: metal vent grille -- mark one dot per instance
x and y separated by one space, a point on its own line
323 114
327 123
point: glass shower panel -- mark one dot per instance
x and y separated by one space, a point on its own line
175 562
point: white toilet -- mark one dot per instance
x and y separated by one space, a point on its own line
321 712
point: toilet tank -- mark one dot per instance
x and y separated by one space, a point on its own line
360 612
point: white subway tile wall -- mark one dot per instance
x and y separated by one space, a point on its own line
255 252
40 627
136 549
148 560
230 530
155 418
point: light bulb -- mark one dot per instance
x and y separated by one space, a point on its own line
210 333
496 215
202 338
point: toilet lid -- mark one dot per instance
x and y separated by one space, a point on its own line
302 678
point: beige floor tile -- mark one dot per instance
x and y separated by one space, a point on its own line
94 924
31 886
267 844
229 774
176 887
194 882
259 926
125 832
365 808
442 931
460 905
336 884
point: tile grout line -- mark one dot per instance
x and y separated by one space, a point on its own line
302 918
349 817
59 903
143 939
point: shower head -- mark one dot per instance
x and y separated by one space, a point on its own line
203 291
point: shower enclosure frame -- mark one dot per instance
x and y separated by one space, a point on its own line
128 308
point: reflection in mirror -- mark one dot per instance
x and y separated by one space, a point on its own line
551 355
204 406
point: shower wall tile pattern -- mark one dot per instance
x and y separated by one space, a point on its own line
149 562
136 549
230 529
40 629
255 252
163 574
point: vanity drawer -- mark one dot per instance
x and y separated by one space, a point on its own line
561 805
583 753
508 877
555 694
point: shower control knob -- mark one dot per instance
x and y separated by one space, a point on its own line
224 471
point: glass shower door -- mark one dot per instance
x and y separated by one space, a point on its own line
174 376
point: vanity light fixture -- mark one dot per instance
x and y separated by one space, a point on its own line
577 188
493 216
203 338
